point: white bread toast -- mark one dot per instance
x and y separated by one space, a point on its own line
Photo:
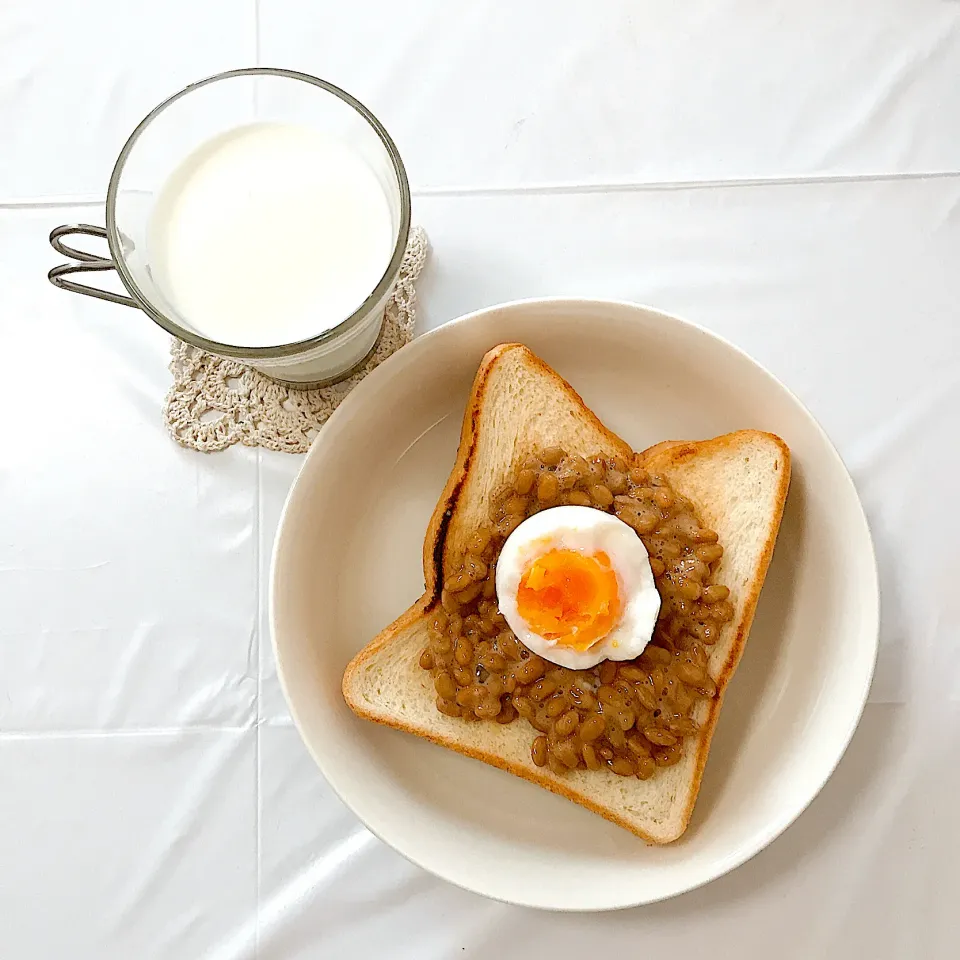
518 405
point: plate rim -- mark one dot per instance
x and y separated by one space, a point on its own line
777 826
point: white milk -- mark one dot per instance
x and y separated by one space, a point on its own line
269 234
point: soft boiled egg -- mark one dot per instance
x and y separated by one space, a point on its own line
575 586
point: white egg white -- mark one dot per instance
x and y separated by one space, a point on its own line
586 531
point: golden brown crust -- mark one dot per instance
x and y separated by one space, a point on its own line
533 775
434 544
435 539
661 456
669 453
495 760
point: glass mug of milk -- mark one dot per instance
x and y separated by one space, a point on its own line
259 214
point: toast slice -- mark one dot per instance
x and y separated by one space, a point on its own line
518 405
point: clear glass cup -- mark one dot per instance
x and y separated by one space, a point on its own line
174 130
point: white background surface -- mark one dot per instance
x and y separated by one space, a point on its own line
787 175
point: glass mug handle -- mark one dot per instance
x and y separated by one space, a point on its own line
86 263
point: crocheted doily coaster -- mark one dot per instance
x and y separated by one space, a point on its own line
215 402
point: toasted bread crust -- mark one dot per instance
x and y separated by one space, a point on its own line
535 775
435 542
663 457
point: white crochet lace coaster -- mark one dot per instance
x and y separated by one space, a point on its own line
215 403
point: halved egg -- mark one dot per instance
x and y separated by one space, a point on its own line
575 586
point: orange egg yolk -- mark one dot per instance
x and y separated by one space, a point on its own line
569 597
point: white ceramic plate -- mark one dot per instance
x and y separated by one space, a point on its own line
347 561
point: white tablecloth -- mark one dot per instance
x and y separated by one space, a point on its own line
785 174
